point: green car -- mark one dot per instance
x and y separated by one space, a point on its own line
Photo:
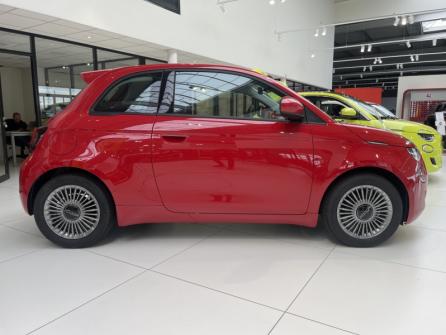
347 109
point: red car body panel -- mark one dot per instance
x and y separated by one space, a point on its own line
166 168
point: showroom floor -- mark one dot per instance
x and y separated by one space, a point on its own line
223 279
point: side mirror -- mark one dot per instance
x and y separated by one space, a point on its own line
292 109
348 113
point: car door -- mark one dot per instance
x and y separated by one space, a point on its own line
220 146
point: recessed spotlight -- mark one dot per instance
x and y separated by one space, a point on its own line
397 21
411 19
408 44
89 37
434 42
324 31
364 69
272 2
362 48
412 58
316 34
417 57
404 21
371 68
369 48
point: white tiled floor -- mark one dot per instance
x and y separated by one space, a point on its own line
223 279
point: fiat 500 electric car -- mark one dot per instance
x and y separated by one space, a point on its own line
203 143
350 110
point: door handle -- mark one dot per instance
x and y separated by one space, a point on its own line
174 138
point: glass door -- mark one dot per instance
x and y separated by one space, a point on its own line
4 172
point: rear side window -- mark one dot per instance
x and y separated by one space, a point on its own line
139 94
220 94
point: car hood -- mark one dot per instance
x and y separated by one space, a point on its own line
408 126
378 136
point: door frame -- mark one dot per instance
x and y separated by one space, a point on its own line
3 138
33 68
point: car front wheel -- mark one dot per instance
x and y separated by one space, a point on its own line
73 211
363 210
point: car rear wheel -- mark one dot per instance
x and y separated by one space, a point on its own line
363 210
73 211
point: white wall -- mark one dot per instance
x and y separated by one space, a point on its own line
352 10
17 92
244 35
416 82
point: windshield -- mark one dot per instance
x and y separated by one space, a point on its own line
368 108
385 113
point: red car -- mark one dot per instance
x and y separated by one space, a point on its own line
204 143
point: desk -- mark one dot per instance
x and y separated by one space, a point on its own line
13 135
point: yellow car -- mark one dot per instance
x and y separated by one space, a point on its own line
347 109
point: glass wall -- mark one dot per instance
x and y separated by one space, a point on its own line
59 66
39 82
111 60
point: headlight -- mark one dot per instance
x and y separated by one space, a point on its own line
426 137
414 153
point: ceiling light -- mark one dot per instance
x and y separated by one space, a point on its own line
417 57
362 48
380 61
362 76
408 44
404 21
401 73
324 31
434 25
434 42
282 1
313 55
412 59
371 68
369 48
377 81
401 66
272 2
316 34
397 21
341 77
364 69
375 61
411 19
89 37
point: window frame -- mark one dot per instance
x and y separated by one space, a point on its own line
92 110
267 84
158 3
165 74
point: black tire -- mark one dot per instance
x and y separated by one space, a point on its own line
106 218
329 212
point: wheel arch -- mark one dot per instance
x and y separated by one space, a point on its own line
65 171
373 170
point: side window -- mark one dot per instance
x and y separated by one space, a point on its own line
219 94
139 94
332 108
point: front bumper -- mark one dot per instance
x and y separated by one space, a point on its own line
416 186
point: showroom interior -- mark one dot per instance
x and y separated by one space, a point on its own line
372 71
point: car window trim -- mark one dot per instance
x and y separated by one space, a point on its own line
92 110
307 110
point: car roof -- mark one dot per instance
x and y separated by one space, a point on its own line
90 76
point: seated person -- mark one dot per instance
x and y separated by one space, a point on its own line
17 124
